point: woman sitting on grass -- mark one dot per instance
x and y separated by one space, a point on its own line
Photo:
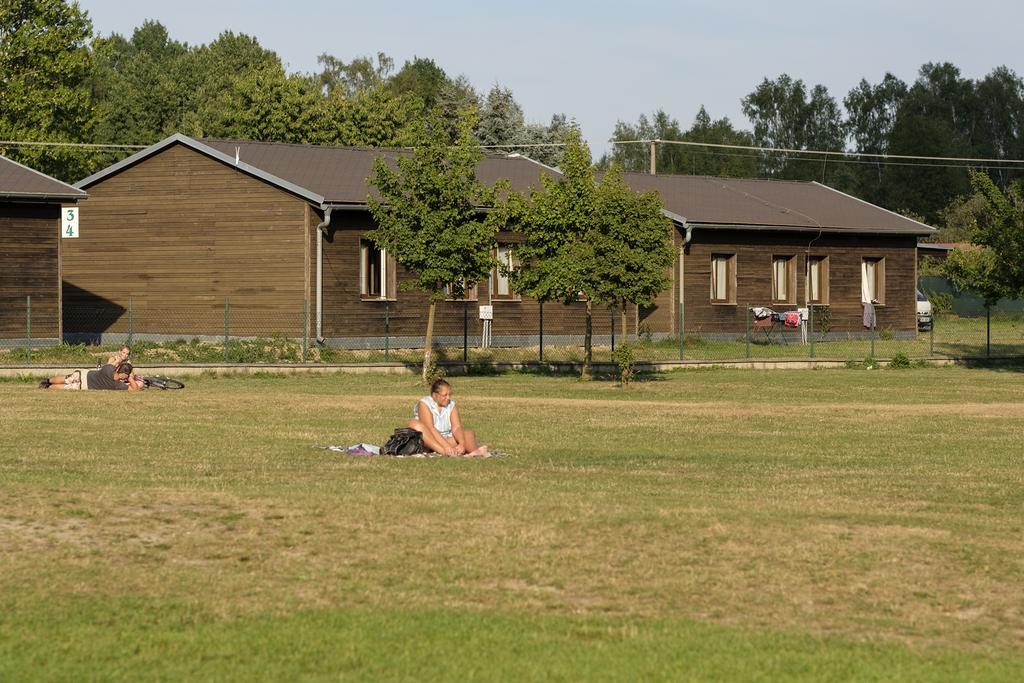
437 419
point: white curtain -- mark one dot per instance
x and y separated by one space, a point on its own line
780 280
719 270
867 280
814 279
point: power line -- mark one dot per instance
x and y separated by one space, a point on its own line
90 145
826 153
856 161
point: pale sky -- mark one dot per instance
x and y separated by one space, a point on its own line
599 62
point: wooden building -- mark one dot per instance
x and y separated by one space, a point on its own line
269 238
30 252
784 245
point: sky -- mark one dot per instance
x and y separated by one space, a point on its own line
601 62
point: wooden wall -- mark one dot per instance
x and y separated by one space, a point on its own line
346 315
754 251
29 266
179 233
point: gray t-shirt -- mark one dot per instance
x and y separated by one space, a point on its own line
104 379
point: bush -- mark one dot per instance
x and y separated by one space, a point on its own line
900 360
624 358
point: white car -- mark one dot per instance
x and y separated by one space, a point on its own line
924 312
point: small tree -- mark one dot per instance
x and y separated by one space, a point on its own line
600 241
428 218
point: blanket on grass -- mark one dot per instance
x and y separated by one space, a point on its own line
369 450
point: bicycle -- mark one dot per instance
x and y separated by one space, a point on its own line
160 382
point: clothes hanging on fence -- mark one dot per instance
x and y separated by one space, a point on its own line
761 312
792 319
869 314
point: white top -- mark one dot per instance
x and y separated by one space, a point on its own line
442 416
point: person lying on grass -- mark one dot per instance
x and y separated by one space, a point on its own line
437 419
108 377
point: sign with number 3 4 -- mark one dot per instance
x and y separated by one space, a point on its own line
69 221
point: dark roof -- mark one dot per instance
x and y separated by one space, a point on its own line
771 204
337 175
324 175
23 183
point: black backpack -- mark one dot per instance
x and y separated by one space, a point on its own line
404 441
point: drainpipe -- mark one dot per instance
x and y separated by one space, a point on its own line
320 230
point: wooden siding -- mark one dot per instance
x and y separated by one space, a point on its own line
29 266
345 314
179 233
754 252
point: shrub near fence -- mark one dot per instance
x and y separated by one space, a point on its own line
226 334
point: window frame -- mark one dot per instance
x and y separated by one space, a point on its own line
468 293
879 279
496 278
790 275
823 276
730 279
387 266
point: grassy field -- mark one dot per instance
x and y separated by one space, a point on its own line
702 525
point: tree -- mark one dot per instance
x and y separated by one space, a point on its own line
45 69
141 86
632 242
995 269
428 216
871 115
421 77
502 123
359 75
598 241
784 117
681 159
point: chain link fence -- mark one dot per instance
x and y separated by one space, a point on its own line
226 334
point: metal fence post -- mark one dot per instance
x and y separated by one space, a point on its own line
746 330
810 326
931 337
305 329
682 332
226 329
611 310
874 321
131 314
988 331
28 325
387 331
540 336
465 331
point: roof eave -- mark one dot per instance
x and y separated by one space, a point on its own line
812 228
34 197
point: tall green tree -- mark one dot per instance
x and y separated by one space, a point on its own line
359 75
428 216
503 123
142 86
786 116
680 159
421 77
45 72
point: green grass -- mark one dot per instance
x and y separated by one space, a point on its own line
699 525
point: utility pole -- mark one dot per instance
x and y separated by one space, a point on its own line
654 162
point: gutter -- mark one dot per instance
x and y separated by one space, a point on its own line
811 228
320 229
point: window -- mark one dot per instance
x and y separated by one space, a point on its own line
817 279
872 280
723 278
376 272
468 293
783 279
500 288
